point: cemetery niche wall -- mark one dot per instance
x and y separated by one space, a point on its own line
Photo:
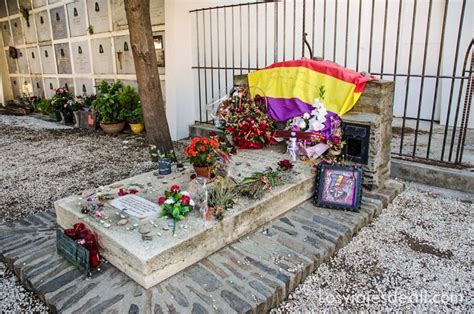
84 40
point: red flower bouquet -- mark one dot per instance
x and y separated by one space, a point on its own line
175 204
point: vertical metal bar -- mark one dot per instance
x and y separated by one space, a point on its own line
218 56
382 63
275 44
467 110
452 80
408 77
248 38
335 31
303 29
438 72
225 50
256 38
284 30
347 33
233 45
205 58
294 30
423 70
372 35
266 34
212 58
358 35
324 29
314 26
240 34
198 67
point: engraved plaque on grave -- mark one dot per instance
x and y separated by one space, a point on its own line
47 59
15 86
22 61
42 26
58 23
5 28
73 252
157 12
123 55
29 30
39 3
3 9
98 11
136 206
76 13
12 65
102 56
50 86
119 18
25 4
84 86
68 83
38 87
80 57
34 60
12 7
17 32
63 58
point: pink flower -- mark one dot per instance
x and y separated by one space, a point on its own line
161 200
185 200
175 188
99 213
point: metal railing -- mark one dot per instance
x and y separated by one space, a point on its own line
416 43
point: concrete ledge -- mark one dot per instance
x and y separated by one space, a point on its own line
454 179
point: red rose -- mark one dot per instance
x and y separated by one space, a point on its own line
161 200
121 192
175 188
285 164
133 191
185 200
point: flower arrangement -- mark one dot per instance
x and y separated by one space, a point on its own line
175 204
156 154
246 120
203 151
61 99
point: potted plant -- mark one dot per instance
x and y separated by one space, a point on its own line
130 101
60 103
203 153
76 105
164 159
110 110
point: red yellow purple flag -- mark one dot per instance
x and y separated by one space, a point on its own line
291 87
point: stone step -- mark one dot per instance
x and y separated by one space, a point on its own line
253 274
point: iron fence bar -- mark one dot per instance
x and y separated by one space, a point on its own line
205 59
335 32
420 75
199 62
284 30
294 30
275 37
347 32
420 99
324 29
225 48
212 59
314 25
452 81
266 33
438 72
382 62
467 108
256 37
303 29
233 43
227 6
358 35
453 136
371 34
240 36
248 37
408 77
397 44
218 55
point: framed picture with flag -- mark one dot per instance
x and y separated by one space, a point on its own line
339 187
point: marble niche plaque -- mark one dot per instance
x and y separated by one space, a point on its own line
58 23
157 12
12 7
136 206
5 28
3 9
80 57
34 59
76 13
68 83
50 86
119 18
12 64
38 89
29 29
47 59
123 55
102 56
54 1
17 31
23 61
98 11
84 86
63 58
39 3
15 86
42 26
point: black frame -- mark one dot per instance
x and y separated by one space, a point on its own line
320 186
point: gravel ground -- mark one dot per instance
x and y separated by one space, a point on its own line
419 247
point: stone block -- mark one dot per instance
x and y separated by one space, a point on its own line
6 36
80 57
15 86
76 12
84 86
50 86
63 58
17 31
38 89
3 9
119 18
12 65
47 59
58 23
29 30
39 3
157 12
377 98
149 263
22 61
68 83
34 60
12 7
123 55
102 56
98 11
43 26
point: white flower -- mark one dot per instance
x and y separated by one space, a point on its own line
302 124
191 203
306 115
186 193
318 104
321 117
317 125
169 201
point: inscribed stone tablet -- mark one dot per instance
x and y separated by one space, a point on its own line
136 206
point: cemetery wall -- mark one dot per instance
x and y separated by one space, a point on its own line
55 47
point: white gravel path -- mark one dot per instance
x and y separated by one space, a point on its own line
420 246
30 123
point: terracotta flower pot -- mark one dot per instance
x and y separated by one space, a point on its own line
204 172
137 128
112 128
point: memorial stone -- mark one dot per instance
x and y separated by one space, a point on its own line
63 58
29 30
25 4
123 55
12 65
38 89
84 86
39 3
15 86
47 59
98 11
12 7
68 83
58 23
17 31
81 57
34 60
5 28
23 61
42 26
102 56
50 86
76 12
3 9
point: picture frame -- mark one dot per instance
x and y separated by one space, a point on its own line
339 187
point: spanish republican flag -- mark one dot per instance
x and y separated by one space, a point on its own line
292 86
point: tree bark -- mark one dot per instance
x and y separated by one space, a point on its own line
148 78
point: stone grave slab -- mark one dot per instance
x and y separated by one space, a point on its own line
84 86
5 28
80 57
119 18
22 61
34 59
25 4
42 26
76 13
123 55
150 262
39 3
3 9
38 89
98 11
63 58
58 23
12 7
102 55
68 83
29 30
15 81
17 31
157 12
47 59
50 86
12 65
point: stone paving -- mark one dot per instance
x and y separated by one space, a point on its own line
253 274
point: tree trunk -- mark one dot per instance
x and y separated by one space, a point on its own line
149 86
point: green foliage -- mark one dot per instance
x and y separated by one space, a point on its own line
107 102
130 100
175 204
222 194
322 92
45 106
61 100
